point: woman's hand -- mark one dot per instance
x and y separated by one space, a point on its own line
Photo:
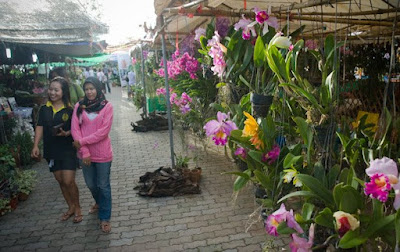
63 133
77 144
86 161
35 152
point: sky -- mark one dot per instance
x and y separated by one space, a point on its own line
124 17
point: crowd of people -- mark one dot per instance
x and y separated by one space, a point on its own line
75 124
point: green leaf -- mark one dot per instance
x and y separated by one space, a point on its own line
397 228
307 95
298 193
332 175
329 45
343 175
241 181
259 52
246 59
256 156
245 82
290 160
303 127
377 209
325 218
283 229
317 188
352 238
307 211
264 180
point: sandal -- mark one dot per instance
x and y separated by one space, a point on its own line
94 209
66 216
105 226
77 218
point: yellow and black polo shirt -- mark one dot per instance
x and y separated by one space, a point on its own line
56 147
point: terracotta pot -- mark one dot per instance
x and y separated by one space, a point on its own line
195 175
23 196
14 203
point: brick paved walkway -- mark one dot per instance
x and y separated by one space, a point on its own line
211 221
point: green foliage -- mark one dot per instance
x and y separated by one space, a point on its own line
24 180
181 161
23 142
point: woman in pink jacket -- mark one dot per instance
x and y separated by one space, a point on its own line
90 128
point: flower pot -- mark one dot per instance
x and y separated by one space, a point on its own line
324 135
260 104
13 203
195 175
22 196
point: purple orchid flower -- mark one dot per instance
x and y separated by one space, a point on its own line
220 129
247 31
301 244
281 215
264 18
384 175
241 152
272 155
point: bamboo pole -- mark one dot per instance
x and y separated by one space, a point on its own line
345 14
217 12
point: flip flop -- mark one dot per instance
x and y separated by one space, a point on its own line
66 216
105 226
77 218
93 209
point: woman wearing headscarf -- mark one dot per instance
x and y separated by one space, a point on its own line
90 128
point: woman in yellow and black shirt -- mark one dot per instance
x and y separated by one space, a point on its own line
54 125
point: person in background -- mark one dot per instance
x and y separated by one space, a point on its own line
86 73
131 82
75 91
91 125
100 76
91 72
54 126
106 72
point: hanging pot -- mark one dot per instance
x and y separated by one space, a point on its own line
324 135
260 104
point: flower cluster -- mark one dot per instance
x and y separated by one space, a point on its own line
384 176
183 103
216 52
272 155
240 151
262 18
220 129
178 65
281 215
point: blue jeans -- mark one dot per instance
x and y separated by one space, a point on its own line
97 178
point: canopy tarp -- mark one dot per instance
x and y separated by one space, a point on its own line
360 20
96 59
46 22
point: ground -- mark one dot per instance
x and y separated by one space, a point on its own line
215 220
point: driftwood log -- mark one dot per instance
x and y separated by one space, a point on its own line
154 122
169 182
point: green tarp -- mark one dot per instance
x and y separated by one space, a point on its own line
95 60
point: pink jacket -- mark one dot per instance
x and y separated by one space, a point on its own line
93 134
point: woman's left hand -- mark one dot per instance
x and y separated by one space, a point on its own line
76 144
63 133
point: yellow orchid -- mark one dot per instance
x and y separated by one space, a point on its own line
251 129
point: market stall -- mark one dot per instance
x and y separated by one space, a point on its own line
290 87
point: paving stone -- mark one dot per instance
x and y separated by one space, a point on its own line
121 242
52 249
252 248
184 223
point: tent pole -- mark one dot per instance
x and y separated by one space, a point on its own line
171 140
143 82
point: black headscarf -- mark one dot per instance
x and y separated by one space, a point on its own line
98 103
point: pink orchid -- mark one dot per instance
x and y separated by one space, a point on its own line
264 18
241 152
384 175
217 53
301 244
220 129
272 155
247 30
185 109
281 215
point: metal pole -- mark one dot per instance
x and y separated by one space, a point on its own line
171 140
143 82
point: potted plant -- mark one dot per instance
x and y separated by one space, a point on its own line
24 180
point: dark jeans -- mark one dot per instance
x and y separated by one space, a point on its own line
97 178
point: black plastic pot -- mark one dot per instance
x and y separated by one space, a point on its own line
260 104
